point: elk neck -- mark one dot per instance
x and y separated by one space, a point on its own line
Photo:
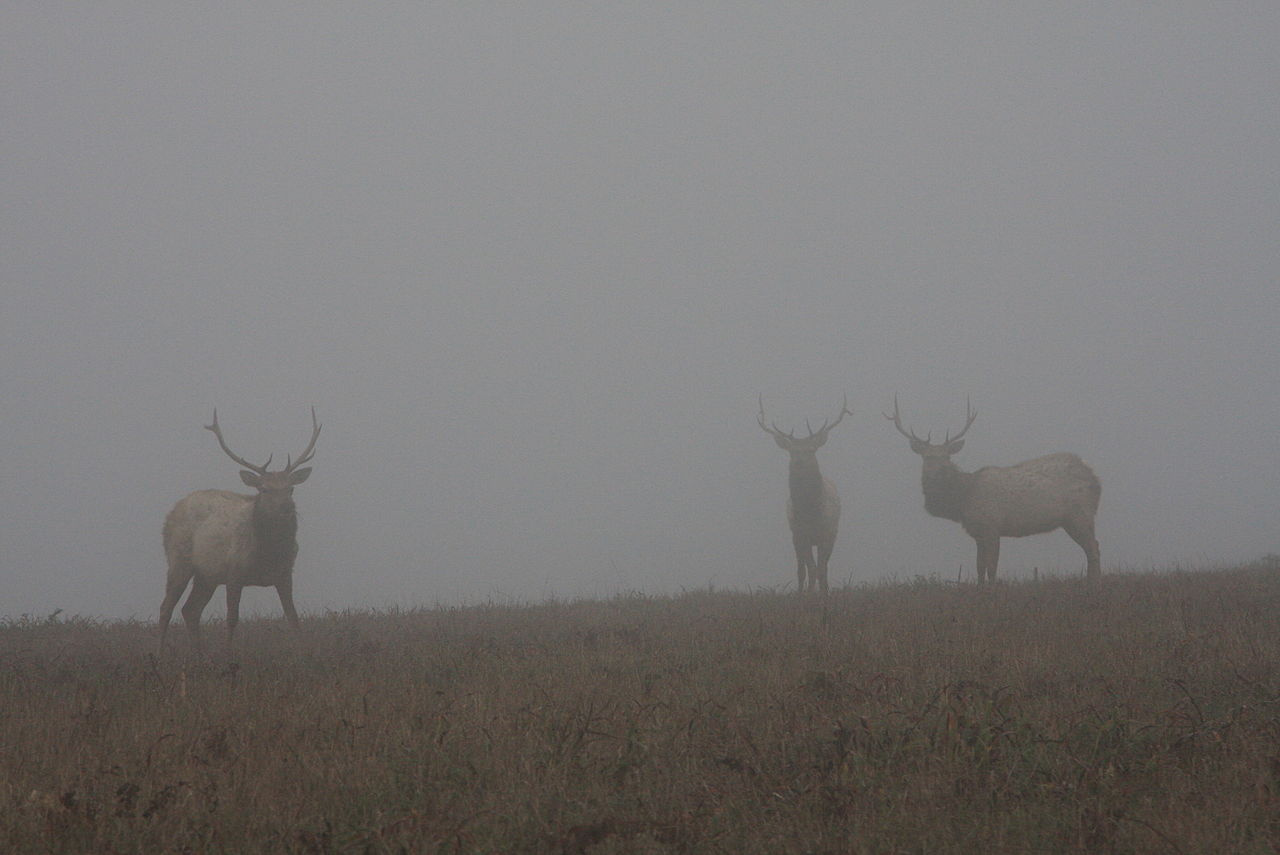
806 484
945 489
275 528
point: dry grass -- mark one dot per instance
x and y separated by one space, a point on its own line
1140 716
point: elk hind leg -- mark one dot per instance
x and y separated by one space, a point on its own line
1082 533
201 593
175 583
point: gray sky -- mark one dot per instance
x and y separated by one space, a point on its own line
533 265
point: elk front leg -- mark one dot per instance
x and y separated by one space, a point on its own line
824 559
285 589
804 562
233 612
988 558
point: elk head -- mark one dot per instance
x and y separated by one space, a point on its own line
802 449
275 489
934 455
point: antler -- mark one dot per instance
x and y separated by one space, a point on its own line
217 431
773 430
896 418
291 464
970 415
822 431
844 411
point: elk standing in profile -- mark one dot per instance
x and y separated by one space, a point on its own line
813 510
216 537
1032 497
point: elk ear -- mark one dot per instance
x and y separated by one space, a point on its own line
783 443
919 446
953 447
300 476
820 440
251 479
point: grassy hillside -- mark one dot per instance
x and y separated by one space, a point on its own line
1140 716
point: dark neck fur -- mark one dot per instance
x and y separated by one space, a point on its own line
945 489
806 487
276 534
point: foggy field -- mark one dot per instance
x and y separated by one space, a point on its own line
1141 715
539 270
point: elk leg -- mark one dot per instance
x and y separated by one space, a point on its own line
1082 533
285 590
824 558
175 584
988 557
804 558
233 611
201 593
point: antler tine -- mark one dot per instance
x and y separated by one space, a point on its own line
970 415
844 411
774 430
310 451
896 418
217 431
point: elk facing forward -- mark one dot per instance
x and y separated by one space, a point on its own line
1032 497
216 537
813 509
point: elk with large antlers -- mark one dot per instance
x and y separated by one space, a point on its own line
216 537
813 509
1032 497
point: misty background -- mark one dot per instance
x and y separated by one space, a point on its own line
533 266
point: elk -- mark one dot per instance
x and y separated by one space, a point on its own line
217 537
813 508
1032 497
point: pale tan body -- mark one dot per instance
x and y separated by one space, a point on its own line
1032 497
216 537
209 538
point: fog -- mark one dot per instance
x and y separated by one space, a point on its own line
534 265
